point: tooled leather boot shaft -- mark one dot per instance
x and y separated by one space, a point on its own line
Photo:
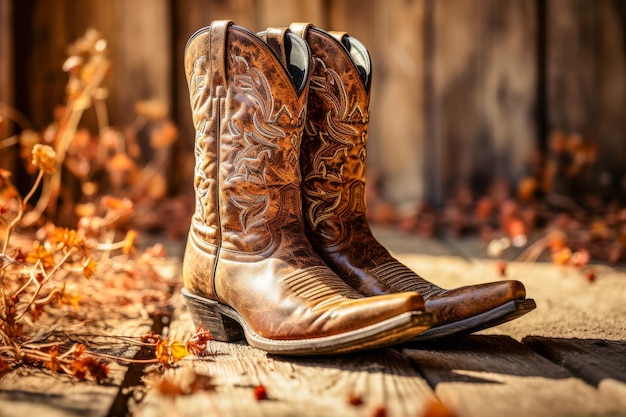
247 145
334 154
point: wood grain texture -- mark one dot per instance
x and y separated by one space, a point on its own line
586 74
602 363
6 51
480 113
497 376
7 154
455 85
396 144
295 386
29 391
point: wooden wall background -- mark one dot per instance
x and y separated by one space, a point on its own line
464 90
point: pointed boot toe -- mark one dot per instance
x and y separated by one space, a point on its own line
476 307
333 162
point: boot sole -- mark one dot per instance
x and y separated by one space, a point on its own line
225 324
501 314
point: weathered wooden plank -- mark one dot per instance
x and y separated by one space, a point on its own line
283 12
7 151
138 34
6 51
586 75
594 360
29 391
497 376
480 120
295 386
396 145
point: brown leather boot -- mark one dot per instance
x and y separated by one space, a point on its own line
249 270
333 157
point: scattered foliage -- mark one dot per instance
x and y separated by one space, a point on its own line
567 211
69 252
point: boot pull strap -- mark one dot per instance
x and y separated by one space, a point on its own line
338 35
275 38
300 28
217 42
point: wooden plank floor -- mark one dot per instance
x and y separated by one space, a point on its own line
567 358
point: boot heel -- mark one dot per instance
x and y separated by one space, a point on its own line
207 312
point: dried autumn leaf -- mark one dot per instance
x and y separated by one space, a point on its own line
178 351
151 109
580 258
169 388
129 242
437 409
67 298
355 400
161 352
260 393
164 136
379 411
157 186
4 367
89 366
121 204
501 266
89 268
590 275
53 359
562 256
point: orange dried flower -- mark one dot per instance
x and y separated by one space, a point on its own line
562 256
197 344
40 253
44 157
67 238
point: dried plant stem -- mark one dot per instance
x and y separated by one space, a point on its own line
47 278
51 188
102 117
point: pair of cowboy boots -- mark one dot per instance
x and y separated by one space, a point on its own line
279 249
